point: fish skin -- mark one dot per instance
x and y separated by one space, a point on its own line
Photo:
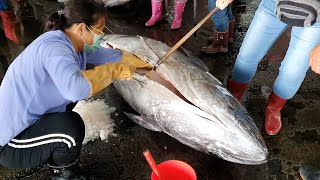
115 3
209 119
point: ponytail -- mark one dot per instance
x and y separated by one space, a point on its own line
55 21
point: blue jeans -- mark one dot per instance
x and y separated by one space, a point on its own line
264 30
221 18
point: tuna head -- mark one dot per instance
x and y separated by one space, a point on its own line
183 100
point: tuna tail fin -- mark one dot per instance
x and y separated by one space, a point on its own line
153 126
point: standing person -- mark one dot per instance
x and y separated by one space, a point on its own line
8 21
156 6
271 19
224 23
45 81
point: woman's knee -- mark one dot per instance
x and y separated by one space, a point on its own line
76 119
292 77
248 56
72 124
288 83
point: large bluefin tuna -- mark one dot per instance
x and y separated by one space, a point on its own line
182 99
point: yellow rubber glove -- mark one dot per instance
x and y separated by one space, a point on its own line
101 76
133 60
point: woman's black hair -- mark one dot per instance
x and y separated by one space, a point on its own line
76 11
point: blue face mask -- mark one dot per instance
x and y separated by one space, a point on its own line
95 45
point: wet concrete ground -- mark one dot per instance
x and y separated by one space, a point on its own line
121 157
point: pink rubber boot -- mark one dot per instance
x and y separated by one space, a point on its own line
178 10
156 13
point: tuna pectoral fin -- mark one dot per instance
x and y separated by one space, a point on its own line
153 126
154 56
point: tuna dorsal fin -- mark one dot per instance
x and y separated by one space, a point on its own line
195 60
153 126
154 56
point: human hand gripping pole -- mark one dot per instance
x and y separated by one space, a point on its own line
181 41
222 4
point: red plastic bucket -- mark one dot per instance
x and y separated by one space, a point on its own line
174 170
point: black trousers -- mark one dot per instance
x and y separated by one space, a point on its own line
55 139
